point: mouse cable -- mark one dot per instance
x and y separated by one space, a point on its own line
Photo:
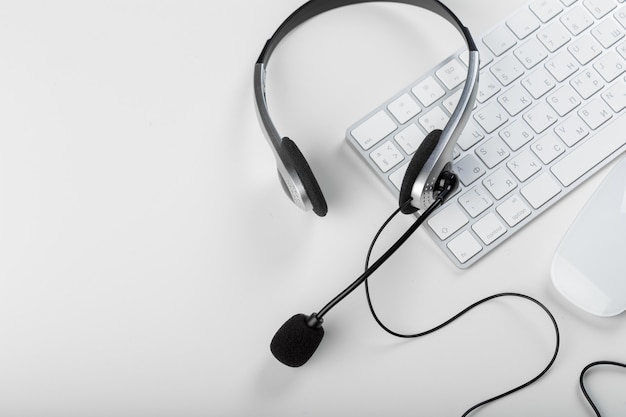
445 323
582 383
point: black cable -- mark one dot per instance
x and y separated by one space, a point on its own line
582 383
448 185
370 270
445 323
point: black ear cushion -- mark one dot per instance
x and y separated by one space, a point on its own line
309 182
415 166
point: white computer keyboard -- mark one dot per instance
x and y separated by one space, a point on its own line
552 78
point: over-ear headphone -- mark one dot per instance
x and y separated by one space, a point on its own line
433 157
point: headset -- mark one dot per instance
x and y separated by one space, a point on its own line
434 155
427 183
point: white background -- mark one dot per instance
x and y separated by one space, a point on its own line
148 254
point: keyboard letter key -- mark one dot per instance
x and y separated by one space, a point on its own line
572 130
615 97
539 82
540 117
469 169
499 184
595 113
491 117
548 148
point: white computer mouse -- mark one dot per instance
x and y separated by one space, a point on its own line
589 267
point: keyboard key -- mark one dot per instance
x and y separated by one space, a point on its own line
577 20
500 40
523 23
491 117
610 66
531 53
516 134
524 165
615 97
470 136
587 83
428 91
489 228
373 130
387 156
499 184
410 138
404 108
546 9
492 152
507 70
514 210
564 100
584 49
452 74
468 169
475 201
572 130
464 247
434 119
515 99
599 8
548 148
447 221
562 65
539 82
541 190
608 32
540 117
554 36
487 87
595 113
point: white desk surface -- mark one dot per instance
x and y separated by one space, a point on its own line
148 254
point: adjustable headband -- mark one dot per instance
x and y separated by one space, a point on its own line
290 162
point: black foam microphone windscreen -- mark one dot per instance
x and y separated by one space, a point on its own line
295 342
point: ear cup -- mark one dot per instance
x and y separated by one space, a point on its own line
309 182
415 166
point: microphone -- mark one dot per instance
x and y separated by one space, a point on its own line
297 340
